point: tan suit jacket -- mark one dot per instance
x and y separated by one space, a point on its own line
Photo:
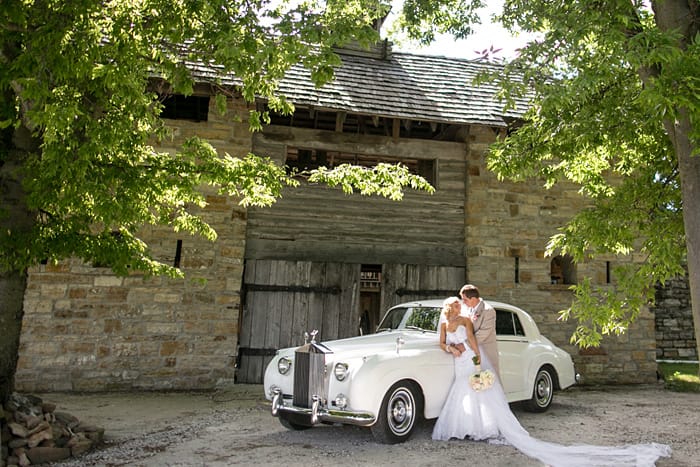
485 331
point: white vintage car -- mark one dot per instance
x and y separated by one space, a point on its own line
388 379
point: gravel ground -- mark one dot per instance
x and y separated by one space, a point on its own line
234 428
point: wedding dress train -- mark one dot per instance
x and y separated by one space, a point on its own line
485 415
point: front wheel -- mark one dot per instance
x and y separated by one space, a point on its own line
398 414
542 391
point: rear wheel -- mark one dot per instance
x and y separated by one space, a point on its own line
542 391
398 414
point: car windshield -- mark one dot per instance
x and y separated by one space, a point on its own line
419 317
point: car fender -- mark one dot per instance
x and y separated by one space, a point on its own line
544 357
432 371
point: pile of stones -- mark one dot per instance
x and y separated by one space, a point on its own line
32 432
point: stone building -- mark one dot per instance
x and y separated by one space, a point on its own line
320 259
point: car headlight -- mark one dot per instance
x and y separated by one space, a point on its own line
284 365
340 371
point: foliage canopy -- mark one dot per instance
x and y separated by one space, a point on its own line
82 83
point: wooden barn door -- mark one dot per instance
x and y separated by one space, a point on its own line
284 299
409 282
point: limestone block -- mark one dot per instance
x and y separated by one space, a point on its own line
108 281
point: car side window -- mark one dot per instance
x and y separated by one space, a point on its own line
519 331
508 324
504 323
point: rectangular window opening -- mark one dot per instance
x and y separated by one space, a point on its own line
178 254
179 107
302 159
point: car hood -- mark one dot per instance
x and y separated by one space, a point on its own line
377 343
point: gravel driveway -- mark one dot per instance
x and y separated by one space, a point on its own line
234 428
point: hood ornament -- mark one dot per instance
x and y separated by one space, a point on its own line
313 336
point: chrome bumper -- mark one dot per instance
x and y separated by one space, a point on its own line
317 414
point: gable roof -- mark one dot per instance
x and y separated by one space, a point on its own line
407 86
403 85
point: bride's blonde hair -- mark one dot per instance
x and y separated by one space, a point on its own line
447 303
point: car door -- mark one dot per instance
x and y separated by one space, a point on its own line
512 351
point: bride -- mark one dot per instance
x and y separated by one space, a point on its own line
484 414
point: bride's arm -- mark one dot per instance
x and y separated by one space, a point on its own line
443 337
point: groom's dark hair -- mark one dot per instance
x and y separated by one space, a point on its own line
469 291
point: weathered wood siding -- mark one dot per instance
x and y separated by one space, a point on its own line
322 224
408 282
284 299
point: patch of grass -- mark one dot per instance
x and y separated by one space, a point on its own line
680 377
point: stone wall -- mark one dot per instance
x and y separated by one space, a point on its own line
675 332
507 228
86 329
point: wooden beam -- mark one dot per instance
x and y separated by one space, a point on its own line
339 121
396 129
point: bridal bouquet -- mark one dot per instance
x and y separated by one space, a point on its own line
481 380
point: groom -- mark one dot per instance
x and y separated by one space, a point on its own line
484 318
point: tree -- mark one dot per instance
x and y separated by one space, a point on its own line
615 93
79 111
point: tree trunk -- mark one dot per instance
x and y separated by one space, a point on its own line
12 288
16 218
681 15
689 168
12 282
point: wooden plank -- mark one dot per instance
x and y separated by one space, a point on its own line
332 304
368 144
395 129
274 309
350 300
255 369
317 275
300 313
413 276
259 307
246 316
285 302
451 255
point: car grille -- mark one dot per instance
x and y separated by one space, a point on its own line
309 375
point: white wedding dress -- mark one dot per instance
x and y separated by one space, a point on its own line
485 415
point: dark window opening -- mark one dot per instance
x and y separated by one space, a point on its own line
563 270
309 159
517 269
178 254
366 124
370 297
179 107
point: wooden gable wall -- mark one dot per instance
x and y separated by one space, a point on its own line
317 223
